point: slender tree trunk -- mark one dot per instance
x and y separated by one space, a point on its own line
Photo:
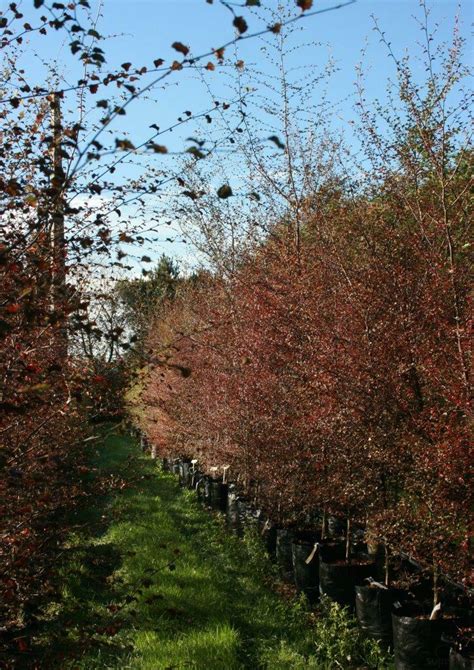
348 539
324 526
435 584
58 239
386 564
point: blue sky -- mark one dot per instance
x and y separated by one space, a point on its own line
143 30
149 26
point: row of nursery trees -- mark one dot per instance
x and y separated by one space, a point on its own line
326 362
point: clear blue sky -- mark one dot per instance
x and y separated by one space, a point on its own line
149 27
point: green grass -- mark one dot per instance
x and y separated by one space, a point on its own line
153 581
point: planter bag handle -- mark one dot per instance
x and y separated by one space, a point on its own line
312 554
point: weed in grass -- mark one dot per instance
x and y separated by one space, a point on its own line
340 643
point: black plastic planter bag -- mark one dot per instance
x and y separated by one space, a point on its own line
339 579
184 473
374 611
202 489
306 568
232 510
460 660
207 490
244 512
217 495
284 557
336 527
417 642
175 467
332 550
268 533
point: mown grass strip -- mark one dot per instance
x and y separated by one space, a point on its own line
163 584
152 581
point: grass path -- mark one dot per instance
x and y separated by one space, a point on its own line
162 584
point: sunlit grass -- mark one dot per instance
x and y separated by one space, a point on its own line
153 581
163 584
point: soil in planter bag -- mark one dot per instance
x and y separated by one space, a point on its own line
417 642
332 550
284 556
339 579
306 567
374 611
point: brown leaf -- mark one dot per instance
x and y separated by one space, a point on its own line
304 5
241 24
220 53
158 148
224 191
182 48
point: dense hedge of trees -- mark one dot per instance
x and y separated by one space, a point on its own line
329 368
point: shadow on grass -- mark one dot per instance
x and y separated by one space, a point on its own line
155 581
80 622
